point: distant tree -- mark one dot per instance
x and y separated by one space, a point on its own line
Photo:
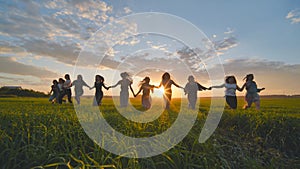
5 92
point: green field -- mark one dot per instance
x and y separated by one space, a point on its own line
36 134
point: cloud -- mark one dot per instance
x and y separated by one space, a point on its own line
195 57
9 65
294 16
56 29
127 10
276 77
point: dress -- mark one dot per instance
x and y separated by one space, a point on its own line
124 93
79 87
146 98
191 89
251 95
98 94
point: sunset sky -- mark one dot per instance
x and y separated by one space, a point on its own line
41 40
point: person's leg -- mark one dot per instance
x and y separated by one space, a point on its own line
257 102
122 99
144 104
77 98
69 94
168 100
100 99
57 97
98 96
249 101
234 102
95 102
192 101
61 96
231 101
51 97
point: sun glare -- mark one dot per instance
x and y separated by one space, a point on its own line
158 92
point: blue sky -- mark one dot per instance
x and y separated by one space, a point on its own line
40 40
260 26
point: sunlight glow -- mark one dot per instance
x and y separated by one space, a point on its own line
158 92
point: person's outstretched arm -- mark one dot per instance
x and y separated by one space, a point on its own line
84 84
92 87
138 92
259 90
200 87
240 88
131 89
51 91
119 82
175 84
220 86
158 85
105 87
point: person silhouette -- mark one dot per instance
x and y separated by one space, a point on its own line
61 89
99 83
125 83
230 91
66 89
79 83
146 88
252 92
167 83
191 89
55 92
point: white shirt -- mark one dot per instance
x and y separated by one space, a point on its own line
230 89
67 84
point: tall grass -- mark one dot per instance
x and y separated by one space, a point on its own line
36 134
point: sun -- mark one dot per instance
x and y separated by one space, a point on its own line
158 92
161 90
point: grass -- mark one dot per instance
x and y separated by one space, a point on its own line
36 134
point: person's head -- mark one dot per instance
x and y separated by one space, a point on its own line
191 79
79 77
97 78
67 76
101 78
55 82
230 80
166 76
61 80
124 75
249 77
146 80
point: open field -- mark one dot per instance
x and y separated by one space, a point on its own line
36 134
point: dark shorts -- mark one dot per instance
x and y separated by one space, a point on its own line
231 101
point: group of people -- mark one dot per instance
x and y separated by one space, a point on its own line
251 94
62 87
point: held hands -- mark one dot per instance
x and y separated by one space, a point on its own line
209 88
259 90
